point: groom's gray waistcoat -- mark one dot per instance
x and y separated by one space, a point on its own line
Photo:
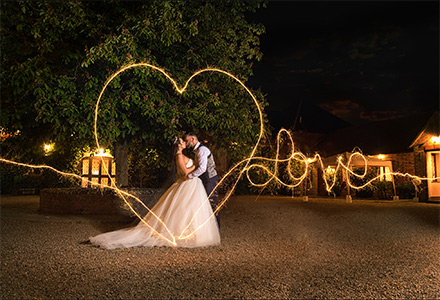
210 168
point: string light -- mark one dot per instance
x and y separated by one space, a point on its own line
243 167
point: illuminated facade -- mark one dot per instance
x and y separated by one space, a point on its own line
410 145
382 165
427 146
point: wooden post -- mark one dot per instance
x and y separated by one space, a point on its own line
348 198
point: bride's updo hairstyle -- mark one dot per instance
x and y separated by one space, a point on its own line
175 145
175 140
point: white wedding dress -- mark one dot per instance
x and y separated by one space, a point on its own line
184 203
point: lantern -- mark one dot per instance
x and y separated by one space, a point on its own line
97 169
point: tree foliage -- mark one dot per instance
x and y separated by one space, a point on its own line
56 56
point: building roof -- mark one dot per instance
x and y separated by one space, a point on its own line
432 128
390 136
307 117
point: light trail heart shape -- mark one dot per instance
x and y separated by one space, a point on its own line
171 238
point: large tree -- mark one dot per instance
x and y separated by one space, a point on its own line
56 57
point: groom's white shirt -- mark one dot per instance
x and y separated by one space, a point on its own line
202 158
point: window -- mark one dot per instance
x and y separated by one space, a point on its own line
435 167
384 173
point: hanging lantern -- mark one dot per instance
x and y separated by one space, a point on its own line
98 169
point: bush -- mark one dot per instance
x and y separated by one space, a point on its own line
367 191
405 190
65 157
10 176
383 189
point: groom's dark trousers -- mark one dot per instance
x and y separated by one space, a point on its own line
210 184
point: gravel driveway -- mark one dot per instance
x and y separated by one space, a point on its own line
272 247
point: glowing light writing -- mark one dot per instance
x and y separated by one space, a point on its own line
243 167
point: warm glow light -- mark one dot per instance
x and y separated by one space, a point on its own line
101 152
48 148
435 140
5 135
250 163
330 170
381 156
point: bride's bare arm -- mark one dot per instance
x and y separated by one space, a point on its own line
190 169
181 162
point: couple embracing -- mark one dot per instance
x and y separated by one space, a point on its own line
183 216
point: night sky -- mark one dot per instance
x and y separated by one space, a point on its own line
361 61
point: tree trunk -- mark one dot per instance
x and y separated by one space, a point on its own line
121 159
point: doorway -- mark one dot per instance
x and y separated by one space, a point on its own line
433 171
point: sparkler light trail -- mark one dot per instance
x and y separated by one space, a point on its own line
171 239
181 91
243 167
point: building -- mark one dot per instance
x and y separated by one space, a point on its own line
426 147
411 144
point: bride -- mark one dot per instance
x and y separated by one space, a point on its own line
181 218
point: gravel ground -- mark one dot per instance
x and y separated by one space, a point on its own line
272 247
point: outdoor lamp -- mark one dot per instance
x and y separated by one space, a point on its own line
97 169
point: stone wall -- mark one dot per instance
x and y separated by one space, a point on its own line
147 196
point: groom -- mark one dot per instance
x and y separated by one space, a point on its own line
205 169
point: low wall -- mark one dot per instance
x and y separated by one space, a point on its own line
95 201
148 197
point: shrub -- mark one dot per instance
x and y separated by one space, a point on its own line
405 190
383 189
367 191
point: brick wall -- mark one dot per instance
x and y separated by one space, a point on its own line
420 170
420 162
413 163
402 162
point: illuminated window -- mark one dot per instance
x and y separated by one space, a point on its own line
384 173
435 166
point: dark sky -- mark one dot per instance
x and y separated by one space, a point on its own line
361 61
